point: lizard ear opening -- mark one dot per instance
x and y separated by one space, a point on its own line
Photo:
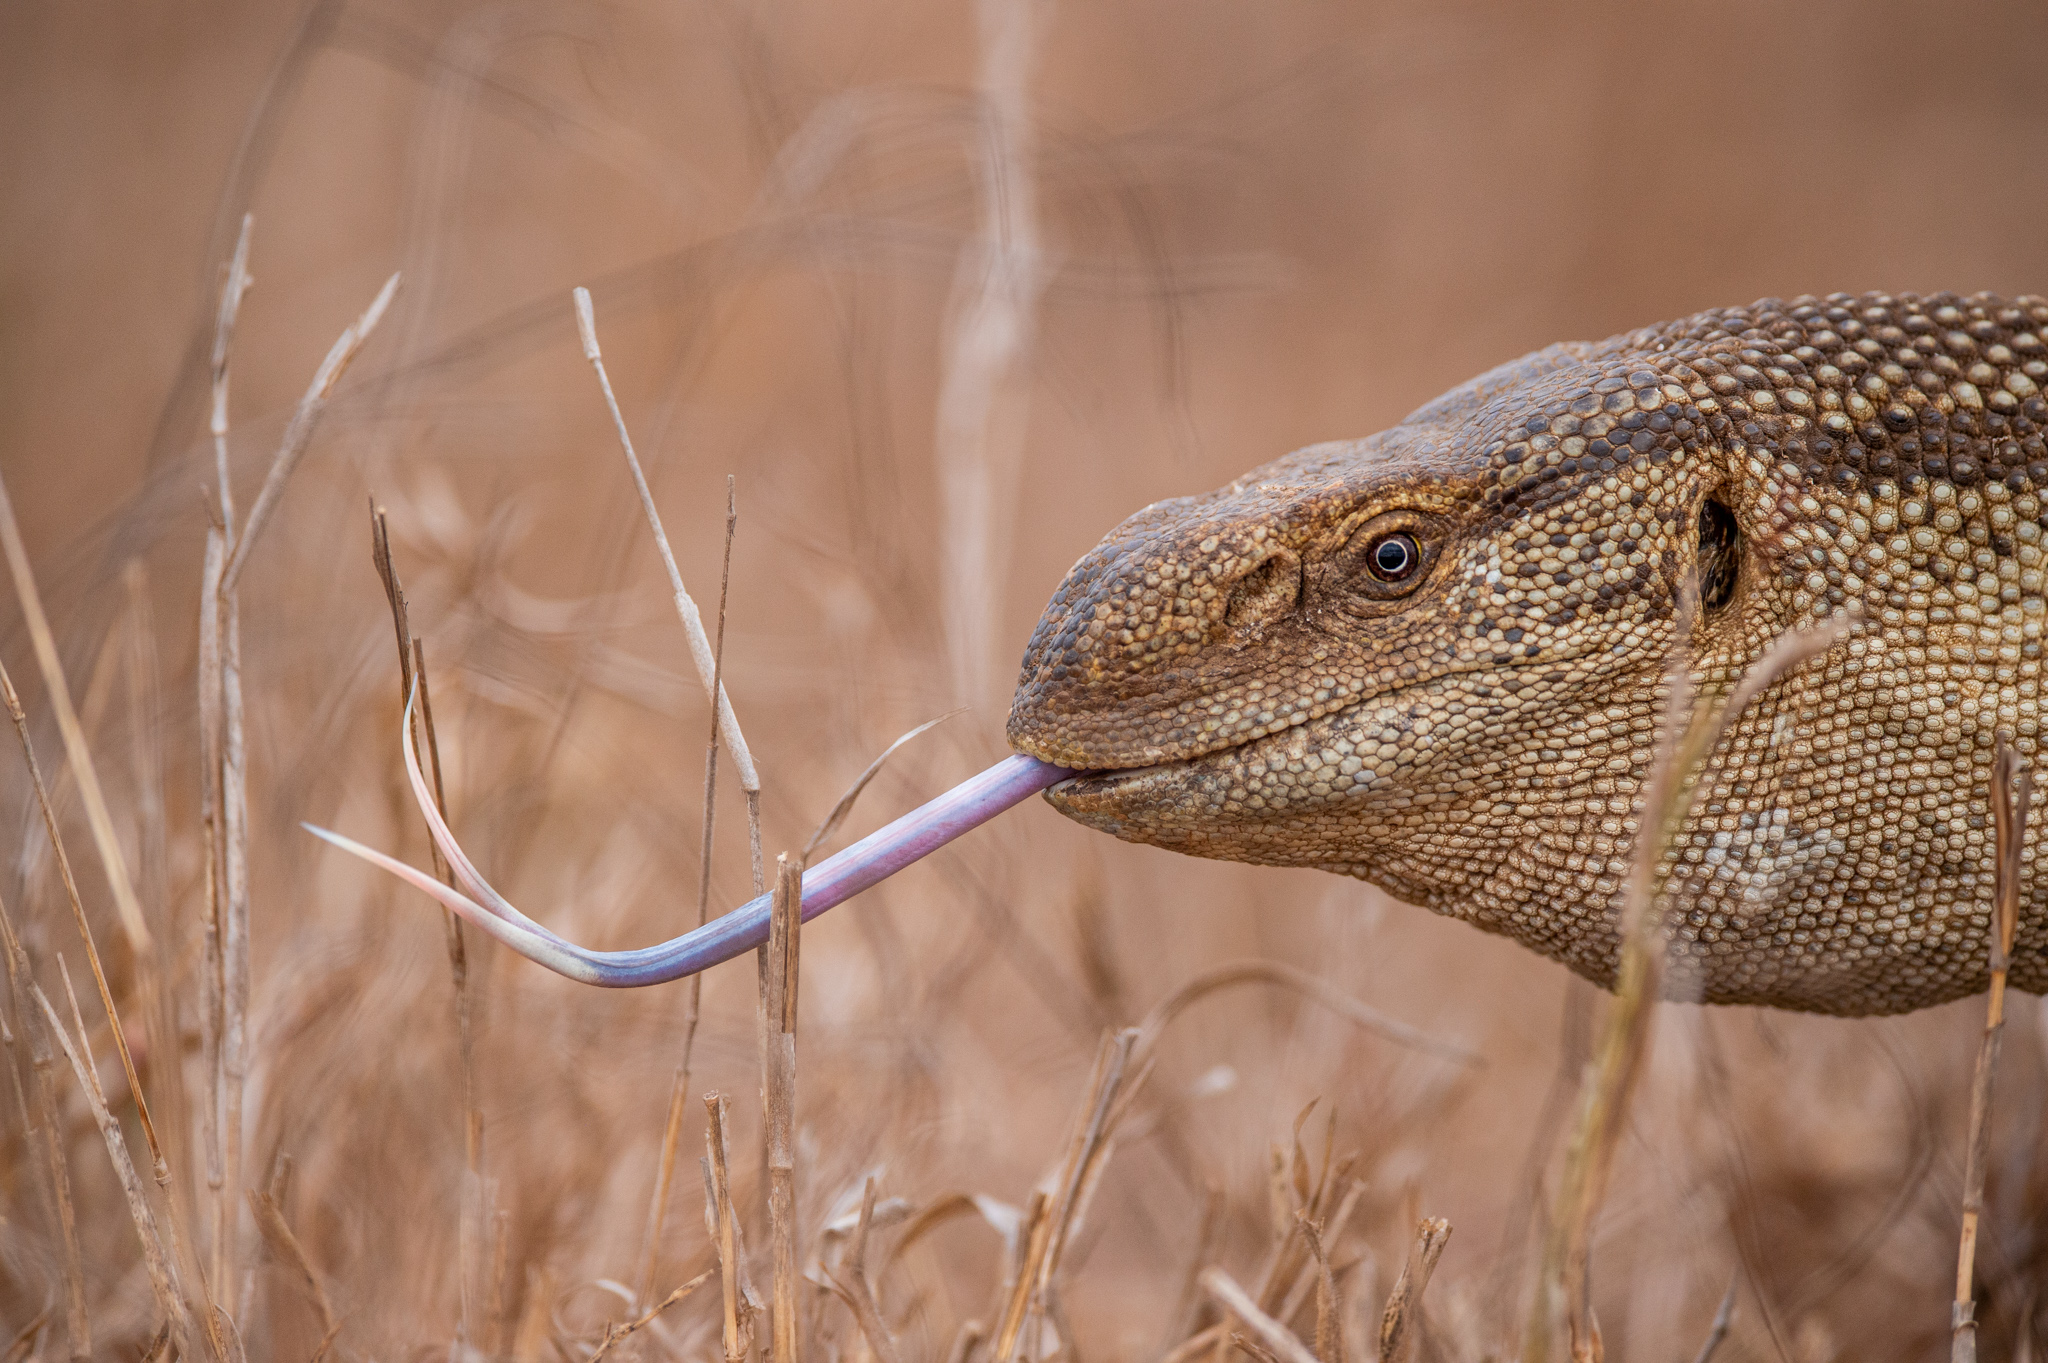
1720 554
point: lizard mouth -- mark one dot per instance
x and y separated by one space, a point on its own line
1126 778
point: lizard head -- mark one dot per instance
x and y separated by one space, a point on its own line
1391 657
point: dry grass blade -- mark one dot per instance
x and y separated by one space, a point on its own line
1562 1293
657 1212
965 1342
1281 1341
686 607
163 1272
1199 1343
299 431
157 984
723 1223
1016 1299
1308 986
1400 1323
412 672
1329 1342
92 951
617 1334
46 1129
232 288
234 943
1329 1228
277 1233
839 812
2012 788
693 1013
1055 1218
230 759
778 1088
159 1165
27 1341
856 1291
80 756
213 982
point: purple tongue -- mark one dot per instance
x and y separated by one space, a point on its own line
832 881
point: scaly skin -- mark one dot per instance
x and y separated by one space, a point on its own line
1475 737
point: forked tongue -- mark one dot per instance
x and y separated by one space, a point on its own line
832 881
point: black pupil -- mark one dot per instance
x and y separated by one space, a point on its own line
1394 557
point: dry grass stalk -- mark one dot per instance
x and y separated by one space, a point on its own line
145 746
234 944
1202 1341
686 608
106 840
412 680
1401 1322
1562 1293
1234 973
2012 787
80 756
1293 1191
27 1341
1328 1228
965 1342
277 1233
233 286
227 754
159 1165
92 951
213 1004
1055 1218
709 660
298 433
723 1223
996 288
532 1339
163 1270
618 1334
1329 1342
46 1129
694 1010
219 538
1280 1341
1032 1235
778 1086
856 1291
657 1211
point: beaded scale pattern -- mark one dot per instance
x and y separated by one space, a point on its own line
1434 658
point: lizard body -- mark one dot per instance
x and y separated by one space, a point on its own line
1435 658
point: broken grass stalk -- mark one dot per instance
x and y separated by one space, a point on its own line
2012 789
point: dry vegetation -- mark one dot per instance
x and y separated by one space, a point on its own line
945 300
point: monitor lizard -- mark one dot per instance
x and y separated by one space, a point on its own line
1433 658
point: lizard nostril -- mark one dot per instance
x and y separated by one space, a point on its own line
1720 554
1269 590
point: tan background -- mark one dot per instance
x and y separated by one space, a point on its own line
1266 225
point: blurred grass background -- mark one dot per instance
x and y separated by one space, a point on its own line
1258 226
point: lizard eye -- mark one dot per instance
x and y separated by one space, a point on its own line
1393 558
1390 555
